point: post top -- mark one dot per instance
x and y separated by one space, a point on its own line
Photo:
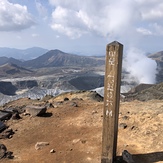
114 43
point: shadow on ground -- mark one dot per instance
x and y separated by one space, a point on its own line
144 158
46 115
148 158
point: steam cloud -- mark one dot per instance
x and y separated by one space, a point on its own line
142 68
127 21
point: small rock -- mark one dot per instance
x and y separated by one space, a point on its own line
15 116
40 145
6 134
125 145
10 136
9 155
94 112
83 141
52 151
74 104
125 117
133 128
123 125
76 141
59 103
66 99
49 105
55 106
25 114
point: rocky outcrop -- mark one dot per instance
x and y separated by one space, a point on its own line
35 110
158 57
4 153
3 150
145 92
87 82
10 69
2 126
34 93
7 88
26 84
159 75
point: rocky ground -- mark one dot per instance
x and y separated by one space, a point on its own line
71 130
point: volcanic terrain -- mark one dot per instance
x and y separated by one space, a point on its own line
72 128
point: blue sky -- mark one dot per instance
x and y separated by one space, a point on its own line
83 27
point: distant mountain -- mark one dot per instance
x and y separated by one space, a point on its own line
4 60
9 69
57 58
20 54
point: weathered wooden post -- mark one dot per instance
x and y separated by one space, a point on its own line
113 68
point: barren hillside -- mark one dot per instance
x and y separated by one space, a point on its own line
72 126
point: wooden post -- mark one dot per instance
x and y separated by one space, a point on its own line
112 82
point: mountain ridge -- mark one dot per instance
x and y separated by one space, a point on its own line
158 57
57 58
8 69
22 54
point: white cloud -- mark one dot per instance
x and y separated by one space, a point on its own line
35 35
14 17
106 18
144 31
18 37
57 36
131 20
158 28
99 17
42 10
150 9
64 22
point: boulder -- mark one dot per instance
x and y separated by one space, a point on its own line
3 150
6 134
16 116
123 125
2 126
4 115
52 151
35 110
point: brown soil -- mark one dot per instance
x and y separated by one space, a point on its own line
75 132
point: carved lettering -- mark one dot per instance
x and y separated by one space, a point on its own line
111 101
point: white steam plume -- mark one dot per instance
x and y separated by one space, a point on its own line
142 68
127 21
